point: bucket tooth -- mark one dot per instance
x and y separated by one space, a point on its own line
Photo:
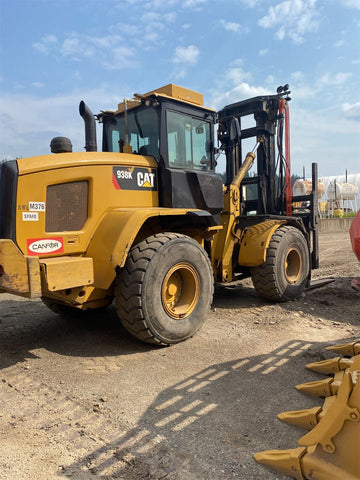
332 365
330 449
287 462
319 388
339 413
328 366
346 349
307 418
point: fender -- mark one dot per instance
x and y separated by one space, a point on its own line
115 235
255 241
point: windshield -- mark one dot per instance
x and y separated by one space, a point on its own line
143 130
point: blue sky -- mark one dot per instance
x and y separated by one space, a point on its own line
55 53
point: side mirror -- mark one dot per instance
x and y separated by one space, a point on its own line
235 130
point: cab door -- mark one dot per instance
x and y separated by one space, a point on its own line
187 176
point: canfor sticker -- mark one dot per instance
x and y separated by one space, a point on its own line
43 246
30 216
36 206
134 178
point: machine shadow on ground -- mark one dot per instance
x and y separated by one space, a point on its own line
336 301
27 326
219 419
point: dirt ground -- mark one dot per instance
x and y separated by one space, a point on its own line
87 401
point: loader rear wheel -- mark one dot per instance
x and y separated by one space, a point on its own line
285 272
165 289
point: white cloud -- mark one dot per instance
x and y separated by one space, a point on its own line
240 92
152 20
122 57
107 41
170 17
235 85
352 111
351 3
110 49
339 43
37 84
55 116
297 77
193 3
46 44
235 74
292 18
250 3
146 4
299 88
77 46
184 57
329 79
187 55
310 131
148 31
160 4
233 27
263 52
230 26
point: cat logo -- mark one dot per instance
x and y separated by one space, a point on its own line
145 179
134 178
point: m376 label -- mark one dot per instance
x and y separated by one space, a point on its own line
36 206
134 178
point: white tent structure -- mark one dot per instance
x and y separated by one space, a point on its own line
336 193
349 200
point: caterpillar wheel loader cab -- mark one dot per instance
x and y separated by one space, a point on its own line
147 221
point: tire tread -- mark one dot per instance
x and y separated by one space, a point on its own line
129 282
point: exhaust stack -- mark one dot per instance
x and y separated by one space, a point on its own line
90 127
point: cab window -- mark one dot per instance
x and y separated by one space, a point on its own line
188 142
143 132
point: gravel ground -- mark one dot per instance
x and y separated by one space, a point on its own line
84 400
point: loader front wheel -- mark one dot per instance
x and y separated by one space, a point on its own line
285 272
165 289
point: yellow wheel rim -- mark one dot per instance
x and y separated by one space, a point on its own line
293 265
180 290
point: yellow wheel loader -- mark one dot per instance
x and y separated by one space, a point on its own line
147 221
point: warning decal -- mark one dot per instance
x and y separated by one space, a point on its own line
134 178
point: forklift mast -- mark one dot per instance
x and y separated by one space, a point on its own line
272 179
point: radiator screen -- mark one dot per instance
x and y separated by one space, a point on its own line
66 206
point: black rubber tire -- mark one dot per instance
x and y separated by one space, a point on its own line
139 286
270 279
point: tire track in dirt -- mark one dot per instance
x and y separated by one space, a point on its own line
97 446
